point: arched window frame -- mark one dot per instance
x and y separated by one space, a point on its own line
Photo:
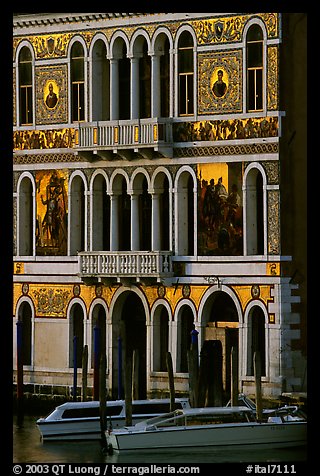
92 86
70 317
247 340
157 81
26 301
188 29
30 87
260 23
70 214
178 328
83 116
254 166
179 231
21 215
155 349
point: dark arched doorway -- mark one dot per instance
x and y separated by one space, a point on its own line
222 323
25 318
129 333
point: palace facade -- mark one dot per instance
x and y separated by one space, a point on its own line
159 165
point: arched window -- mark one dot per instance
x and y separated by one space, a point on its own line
25 315
160 339
254 213
76 336
100 83
145 82
25 230
254 57
165 80
25 86
124 219
100 224
186 74
185 326
256 340
145 217
124 84
98 339
77 216
185 214
77 83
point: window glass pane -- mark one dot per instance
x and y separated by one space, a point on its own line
77 51
251 90
259 89
29 105
190 94
182 94
254 55
186 61
77 69
81 102
254 33
25 74
75 102
185 40
25 55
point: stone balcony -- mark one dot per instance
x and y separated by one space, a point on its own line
119 265
127 139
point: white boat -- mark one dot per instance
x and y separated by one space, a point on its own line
211 427
81 420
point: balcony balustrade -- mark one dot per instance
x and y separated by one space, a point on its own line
142 136
125 264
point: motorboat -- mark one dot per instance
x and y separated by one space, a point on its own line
81 420
191 429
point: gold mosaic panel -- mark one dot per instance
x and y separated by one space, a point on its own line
51 94
47 139
272 78
230 29
228 98
273 222
216 30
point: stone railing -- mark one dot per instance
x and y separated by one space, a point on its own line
125 264
126 133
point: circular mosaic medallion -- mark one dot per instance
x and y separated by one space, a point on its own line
99 290
255 291
76 290
186 290
25 288
161 291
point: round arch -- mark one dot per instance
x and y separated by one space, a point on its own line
136 42
116 44
257 337
25 313
130 318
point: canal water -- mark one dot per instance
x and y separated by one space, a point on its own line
28 448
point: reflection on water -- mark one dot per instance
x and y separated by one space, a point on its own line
27 448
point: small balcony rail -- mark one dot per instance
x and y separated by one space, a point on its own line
124 264
114 136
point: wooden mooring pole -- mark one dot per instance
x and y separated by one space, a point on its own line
234 377
103 398
20 410
257 379
171 381
75 369
84 373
